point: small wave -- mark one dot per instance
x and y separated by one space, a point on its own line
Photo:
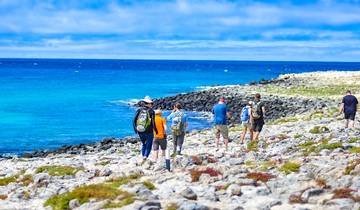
125 102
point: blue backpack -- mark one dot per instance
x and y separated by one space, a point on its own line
245 115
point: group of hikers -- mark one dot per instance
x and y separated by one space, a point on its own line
152 128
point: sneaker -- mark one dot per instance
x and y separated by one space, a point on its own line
143 161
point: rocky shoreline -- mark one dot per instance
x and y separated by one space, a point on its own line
306 160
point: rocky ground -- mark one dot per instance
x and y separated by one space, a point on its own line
304 161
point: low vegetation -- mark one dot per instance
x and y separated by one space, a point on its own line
8 180
289 167
345 193
252 146
354 140
104 191
349 168
319 130
172 206
297 136
149 185
197 172
283 121
58 170
355 150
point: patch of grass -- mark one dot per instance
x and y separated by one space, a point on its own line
222 187
355 150
85 193
235 129
283 121
8 180
250 164
282 136
319 130
354 140
312 91
252 146
307 144
297 136
196 173
349 168
149 185
331 146
58 170
310 150
172 206
118 181
289 167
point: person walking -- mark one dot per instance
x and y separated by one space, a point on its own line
160 141
246 121
257 114
349 107
144 126
220 118
178 127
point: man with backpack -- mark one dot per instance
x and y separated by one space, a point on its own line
220 116
246 121
144 125
257 114
178 126
349 107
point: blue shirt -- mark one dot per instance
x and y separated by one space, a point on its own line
173 115
219 110
350 103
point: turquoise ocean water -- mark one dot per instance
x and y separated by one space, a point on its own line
47 103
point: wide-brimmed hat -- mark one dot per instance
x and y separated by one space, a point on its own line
158 112
147 100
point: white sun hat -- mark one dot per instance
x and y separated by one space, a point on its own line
147 99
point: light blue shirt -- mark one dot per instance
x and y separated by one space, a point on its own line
174 114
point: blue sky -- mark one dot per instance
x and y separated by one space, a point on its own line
324 30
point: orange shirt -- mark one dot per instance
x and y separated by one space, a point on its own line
160 124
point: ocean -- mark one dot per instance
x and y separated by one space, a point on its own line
47 103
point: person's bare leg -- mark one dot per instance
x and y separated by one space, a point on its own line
351 123
256 136
243 135
226 141
217 139
346 123
251 134
155 155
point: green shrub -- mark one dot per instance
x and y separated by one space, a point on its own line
354 139
319 129
58 170
84 194
355 150
289 167
307 144
149 185
310 150
252 146
296 136
8 180
283 121
331 146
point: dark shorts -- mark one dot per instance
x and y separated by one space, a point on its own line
257 125
350 116
159 143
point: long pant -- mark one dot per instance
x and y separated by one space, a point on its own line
147 141
178 142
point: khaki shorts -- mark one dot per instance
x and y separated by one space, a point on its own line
223 130
246 124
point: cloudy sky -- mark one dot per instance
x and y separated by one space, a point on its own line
324 30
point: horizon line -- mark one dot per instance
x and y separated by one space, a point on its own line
164 59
